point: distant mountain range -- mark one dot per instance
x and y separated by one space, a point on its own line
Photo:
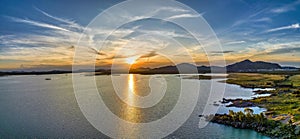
243 66
248 65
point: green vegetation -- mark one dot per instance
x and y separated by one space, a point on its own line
282 101
294 80
255 80
257 122
282 118
285 100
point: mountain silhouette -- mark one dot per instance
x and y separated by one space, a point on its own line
248 65
243 66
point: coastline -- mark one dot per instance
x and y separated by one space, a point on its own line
275 122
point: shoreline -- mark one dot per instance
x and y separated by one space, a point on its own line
273 122
256 122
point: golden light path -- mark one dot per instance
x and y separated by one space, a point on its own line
131 113
131 90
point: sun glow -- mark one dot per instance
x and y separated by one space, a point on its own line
131 60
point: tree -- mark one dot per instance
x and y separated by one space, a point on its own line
231 113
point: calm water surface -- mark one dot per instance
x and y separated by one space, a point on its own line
33 107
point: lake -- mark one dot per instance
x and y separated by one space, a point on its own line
32 107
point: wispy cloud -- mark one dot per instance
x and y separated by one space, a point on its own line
234 42
263 19
164 12
173 9
285 50
250 18
268 52
221 52
281 10
285 8
183 16
293 26
165 32
39 24
149 55
70 23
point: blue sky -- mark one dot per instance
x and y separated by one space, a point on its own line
32 31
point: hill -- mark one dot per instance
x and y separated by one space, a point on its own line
250 66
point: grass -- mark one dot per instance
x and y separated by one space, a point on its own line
295 80
254 80
281 103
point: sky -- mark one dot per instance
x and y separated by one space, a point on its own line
45 35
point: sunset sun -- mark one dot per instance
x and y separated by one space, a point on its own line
131 60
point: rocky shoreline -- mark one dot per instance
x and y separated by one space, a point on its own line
239 103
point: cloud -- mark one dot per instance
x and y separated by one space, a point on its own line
293 26
39 24
281 10
250 18
95 51
276 52
183 16
165 32
70 23
234 42
173 9
150 54
263 19
50 39
285 50
221 52
160 11
114 57
285 8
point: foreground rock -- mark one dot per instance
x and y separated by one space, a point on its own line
239 103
